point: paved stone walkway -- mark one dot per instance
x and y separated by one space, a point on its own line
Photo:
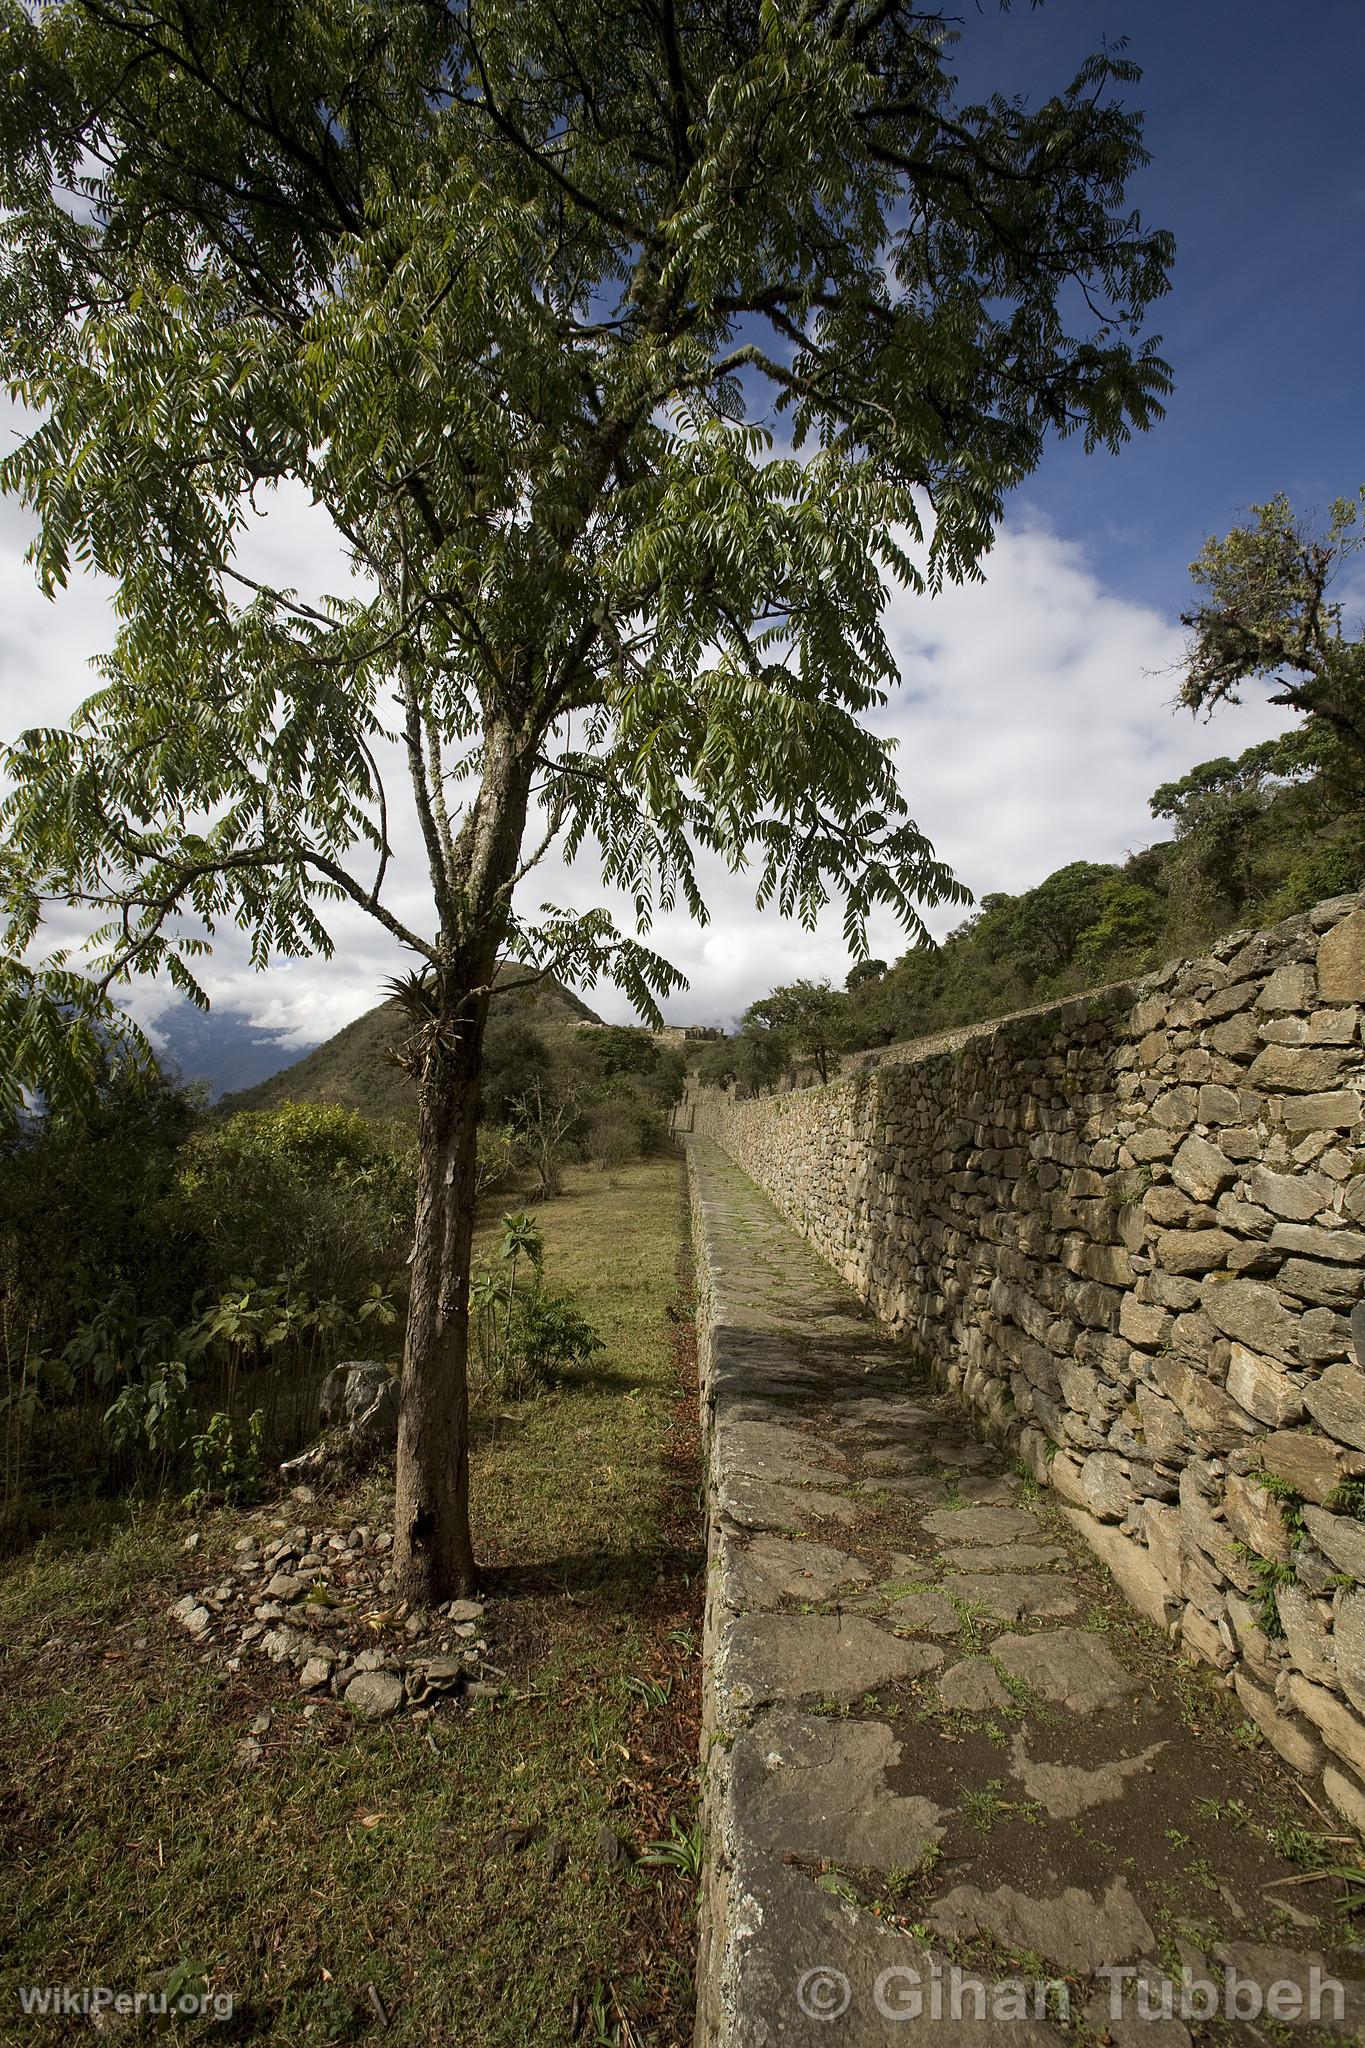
945 1762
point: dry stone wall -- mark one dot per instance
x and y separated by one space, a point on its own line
1130 1230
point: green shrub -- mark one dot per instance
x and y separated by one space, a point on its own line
309 1192
88 1228
616 1129
523 1336
174 1287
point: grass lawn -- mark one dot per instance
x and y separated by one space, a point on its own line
449 1882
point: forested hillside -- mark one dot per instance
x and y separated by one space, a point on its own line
1255 839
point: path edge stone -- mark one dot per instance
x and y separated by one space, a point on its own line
716 1905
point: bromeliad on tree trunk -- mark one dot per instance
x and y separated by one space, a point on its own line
519 297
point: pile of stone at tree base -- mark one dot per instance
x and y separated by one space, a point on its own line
322 1601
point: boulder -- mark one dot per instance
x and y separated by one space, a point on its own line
360 1394
358 1409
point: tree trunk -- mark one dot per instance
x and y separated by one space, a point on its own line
433 1551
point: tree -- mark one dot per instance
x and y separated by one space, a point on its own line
515 1058
753 1060
544 1120
808 1018
517 296
863 972
1038 932
1218 808
621 1049
1267 614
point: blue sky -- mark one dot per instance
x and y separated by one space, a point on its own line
1035 715
1255 120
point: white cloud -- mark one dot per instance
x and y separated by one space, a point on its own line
1033 722
1036 717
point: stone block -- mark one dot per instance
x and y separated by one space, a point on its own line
1135 1568
1341 961
1200 1638
1248 1219
1297 1197
1324 1337
1064 1477
1348 1638
1263 1388
1168 1290
1253 1644
1313 1466
1202 1170
1216 1421
1336 1402
1302 1070
1132 1229
1298 1746
1193 1335
1347 1794
1242 1143
1321 1285
1171 1208
1336 1111
1143 1325
1218 1105
1201 1530
1285 1031
1106 1489
1161 1423
1305 1631
1177 1109
1151 1144
1095 1304
1226 1002
1341 1539
1253 1314
1193 1251
1341 1728
1334 1027
1147 1015
1109 1263
1236 1038
1313 1241
1161 1526
1289 988
1256 1518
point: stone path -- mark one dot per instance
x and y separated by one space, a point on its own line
944 1762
